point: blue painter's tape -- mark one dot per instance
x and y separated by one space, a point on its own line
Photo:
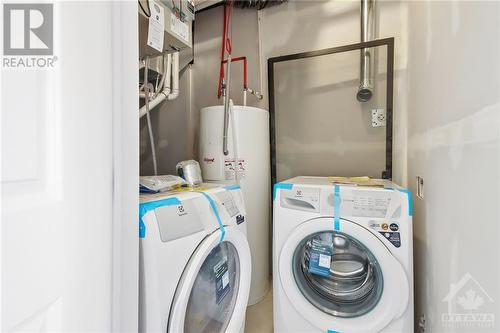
148 206
336 208
285 186
142 229
410 200
216 212
232 187
332 331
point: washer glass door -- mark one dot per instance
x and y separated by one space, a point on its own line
337 274
215 290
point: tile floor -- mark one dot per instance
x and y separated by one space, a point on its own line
260 316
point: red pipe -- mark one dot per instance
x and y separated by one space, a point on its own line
222 51
226 43
245 75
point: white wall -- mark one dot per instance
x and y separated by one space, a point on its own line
208 40
299 26
454 144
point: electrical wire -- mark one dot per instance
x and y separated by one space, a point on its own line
226 44
143 10
162 81
148 118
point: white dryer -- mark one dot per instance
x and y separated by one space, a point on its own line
342 257
195 265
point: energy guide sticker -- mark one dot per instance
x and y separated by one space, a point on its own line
320 258
221 280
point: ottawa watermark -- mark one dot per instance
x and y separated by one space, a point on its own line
28 36
469 306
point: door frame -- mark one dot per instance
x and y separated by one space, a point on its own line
125 95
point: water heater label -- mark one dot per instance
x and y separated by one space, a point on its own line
156 28
180 28
231 166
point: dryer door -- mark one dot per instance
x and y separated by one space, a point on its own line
212 294
344 280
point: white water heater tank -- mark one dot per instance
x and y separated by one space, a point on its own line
248 164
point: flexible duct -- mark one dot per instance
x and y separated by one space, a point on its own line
226 108
226 46
365 90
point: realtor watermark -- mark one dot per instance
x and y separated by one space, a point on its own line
469 306
28 35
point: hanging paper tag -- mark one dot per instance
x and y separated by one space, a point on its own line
221 280
320 258
156 28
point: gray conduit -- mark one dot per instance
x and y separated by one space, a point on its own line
367 57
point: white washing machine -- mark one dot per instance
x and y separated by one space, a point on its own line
343 258
195 265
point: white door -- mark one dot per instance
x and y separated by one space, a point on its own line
346 280
212 295
61 163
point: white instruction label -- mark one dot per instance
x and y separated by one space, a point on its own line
370 205
156 29
231 167
324 260
179 28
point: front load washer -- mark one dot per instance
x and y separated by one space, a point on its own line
343 258
195 265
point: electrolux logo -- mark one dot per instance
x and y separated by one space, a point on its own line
28 35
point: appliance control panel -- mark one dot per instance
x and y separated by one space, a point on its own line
301 198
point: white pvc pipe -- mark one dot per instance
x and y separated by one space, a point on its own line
163 95
160 98
175 77
168 77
